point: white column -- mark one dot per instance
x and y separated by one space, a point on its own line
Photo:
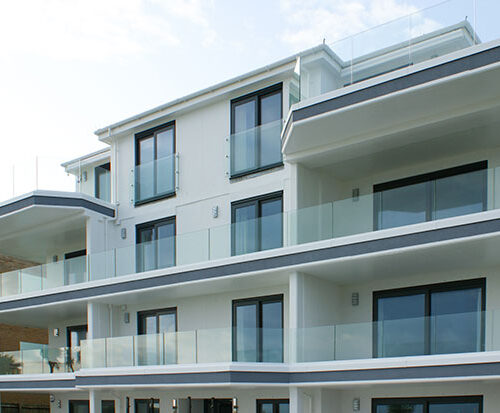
94 402
300 402
98 320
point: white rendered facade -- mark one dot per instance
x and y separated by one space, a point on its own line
316 291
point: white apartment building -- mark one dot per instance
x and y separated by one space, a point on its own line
320 235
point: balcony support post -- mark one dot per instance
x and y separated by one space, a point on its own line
94 404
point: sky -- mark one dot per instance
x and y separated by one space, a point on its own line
70 67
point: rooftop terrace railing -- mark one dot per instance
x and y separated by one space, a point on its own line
447 197
417 35
36 173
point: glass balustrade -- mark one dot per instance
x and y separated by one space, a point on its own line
449 197
255 149
413 36
42 360
440 334
156 179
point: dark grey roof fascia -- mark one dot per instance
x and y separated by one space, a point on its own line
47 200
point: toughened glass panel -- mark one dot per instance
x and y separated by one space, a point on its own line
266 408
244 138
270 143
400 407
401 326
149 349
270 108
283 408
246 333
271 224
245 229
456 321
165 143
454 408
145 170
460 195
165 175
75 270
272 332
166 245
167 324
402 206
103 183
146 250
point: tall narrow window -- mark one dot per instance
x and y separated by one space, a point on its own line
256 131
436 319
442 194
258 329
463 404
103 182
273 406
155 164
257 224
156 245
156 343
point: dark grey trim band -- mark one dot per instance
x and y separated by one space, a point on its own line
453 67
45 200
360 248
243 377
38 384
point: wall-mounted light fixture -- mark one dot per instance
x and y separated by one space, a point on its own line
52 398
235 405
126 318
56 332
355 194
356 404
215 211
84 176
123 233
355 299
175 405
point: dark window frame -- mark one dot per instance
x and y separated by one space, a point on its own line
151 402
153 132
257 201
428 289
428 178
257 97
154 226
74 403
275 298
108 403
274 402
97 172
425 401
156 313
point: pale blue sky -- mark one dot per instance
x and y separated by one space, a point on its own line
69 67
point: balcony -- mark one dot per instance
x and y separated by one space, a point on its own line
42 360
155 180
186 347
466 194
255 149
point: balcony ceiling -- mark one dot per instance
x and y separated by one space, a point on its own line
454 115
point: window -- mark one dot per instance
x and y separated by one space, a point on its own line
273 406
157 342
434 319
147 406
74 337
103 182
79 406
216 405
464 404
75 267
155 164
256 131
443 194
258 329
257 224
155 244
108 406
